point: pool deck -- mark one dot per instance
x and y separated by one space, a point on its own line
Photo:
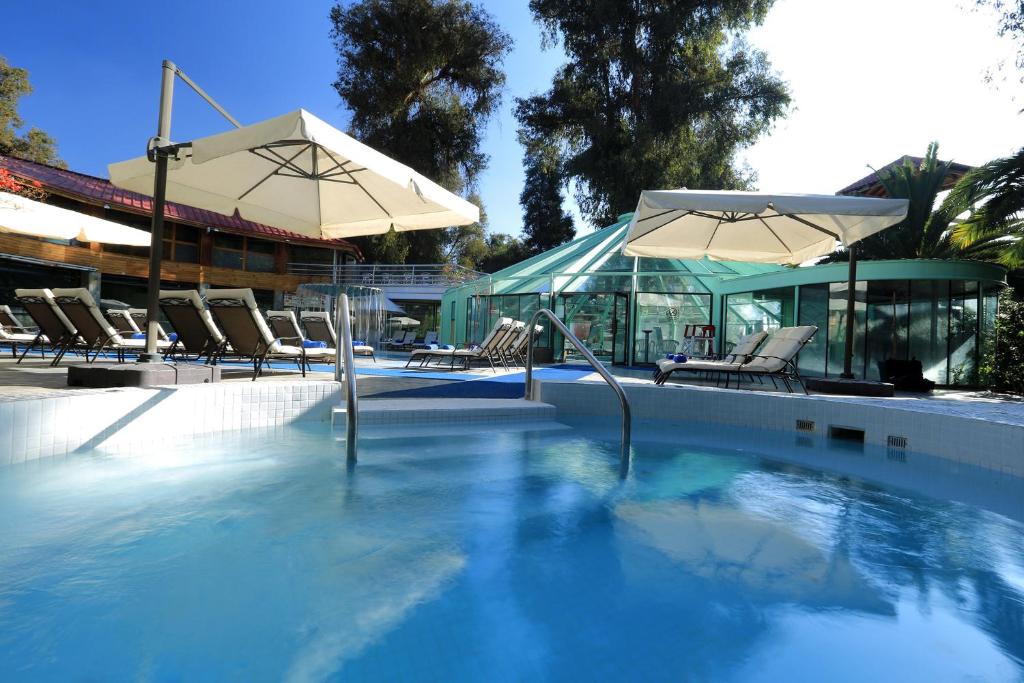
34 379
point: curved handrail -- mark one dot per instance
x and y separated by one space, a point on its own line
607 376
344 333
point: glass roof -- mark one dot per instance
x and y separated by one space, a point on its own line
594 262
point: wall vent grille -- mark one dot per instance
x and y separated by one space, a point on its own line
896 441
805 425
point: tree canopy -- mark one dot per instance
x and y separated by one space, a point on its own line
655 94
545 223
33 144
420 79
993 195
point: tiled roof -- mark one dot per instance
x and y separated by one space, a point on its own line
872 186
95 190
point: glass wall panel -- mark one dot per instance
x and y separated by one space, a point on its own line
427 312
814 311
888 302
963 332
989 308
766 310
598 320
929 327
837 328
663 317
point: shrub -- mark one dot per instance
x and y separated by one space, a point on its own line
1002 367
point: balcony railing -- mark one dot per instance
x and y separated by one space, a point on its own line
382 275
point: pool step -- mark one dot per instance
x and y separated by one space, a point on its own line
407 411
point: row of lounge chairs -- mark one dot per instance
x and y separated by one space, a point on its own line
228 324
754 356
506 344
407 341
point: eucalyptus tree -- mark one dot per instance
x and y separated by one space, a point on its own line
421 78
655 94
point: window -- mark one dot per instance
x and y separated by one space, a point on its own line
243 253
181 243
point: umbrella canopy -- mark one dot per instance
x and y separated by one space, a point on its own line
299 173
25 216
752 226
391 307
402 321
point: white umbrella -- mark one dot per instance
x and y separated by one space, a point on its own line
404 322
299 173
752 226
24 216
760 228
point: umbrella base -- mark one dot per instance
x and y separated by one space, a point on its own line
848 387
141 375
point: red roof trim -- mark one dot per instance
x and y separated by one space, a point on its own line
95 190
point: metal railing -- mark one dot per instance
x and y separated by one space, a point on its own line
383 275
627 419
342 323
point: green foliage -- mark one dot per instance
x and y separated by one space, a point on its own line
994 196
656 94
502 251
545 223
421 78
1002 367
926 231
33 144
1011 22
467 244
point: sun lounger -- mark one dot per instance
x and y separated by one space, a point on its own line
403 342
55 330
501 349
122 321
517 352
430 338
140 317
197 333
320 328
237 314
95 330
484 350
775 359
744 347
13 333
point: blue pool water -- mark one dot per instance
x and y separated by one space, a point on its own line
494 555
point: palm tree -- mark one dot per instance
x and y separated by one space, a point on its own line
926 231
993 195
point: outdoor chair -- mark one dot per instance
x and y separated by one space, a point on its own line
285 326
12 332
775 359
141 318
484 350
517 352
196 332
741 350
237 314
402 342
95 330
55 330
122 320
502 349
428 339
319 327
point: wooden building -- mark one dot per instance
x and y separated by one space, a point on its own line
201 248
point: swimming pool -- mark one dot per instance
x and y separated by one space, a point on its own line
492 553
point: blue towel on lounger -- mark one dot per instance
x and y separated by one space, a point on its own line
357 342
138 335
679 358
310 344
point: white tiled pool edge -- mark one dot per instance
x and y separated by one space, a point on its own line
982 442
43 427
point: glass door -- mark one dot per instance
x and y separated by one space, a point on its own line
598 319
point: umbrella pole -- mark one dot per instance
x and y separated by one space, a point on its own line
850 312
156 239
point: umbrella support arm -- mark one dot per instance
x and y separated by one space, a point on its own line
851 299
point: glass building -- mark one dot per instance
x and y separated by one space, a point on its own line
632 311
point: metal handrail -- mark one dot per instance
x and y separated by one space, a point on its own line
343 324
607 376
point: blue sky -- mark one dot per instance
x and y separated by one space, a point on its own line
872 80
